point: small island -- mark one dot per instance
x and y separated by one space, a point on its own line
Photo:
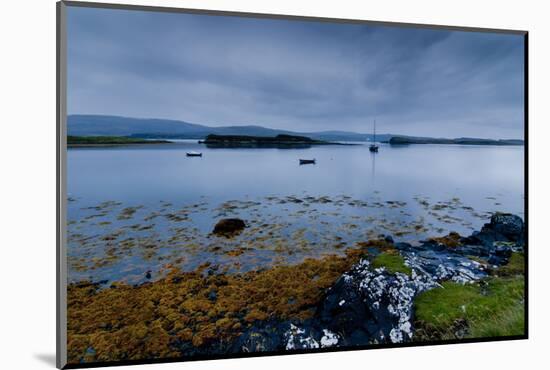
279 141
85 141
405 140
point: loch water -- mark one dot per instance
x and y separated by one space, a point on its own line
135 209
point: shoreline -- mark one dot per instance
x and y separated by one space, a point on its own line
313 304
106 238
403 140
84 141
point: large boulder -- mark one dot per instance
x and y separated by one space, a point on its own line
229 227
344 309
503 227
370 305
509 225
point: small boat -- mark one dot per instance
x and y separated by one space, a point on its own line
194 154
373 147
307 161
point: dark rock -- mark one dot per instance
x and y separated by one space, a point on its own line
504 227
294 200
177 279
500 255
478 250
503 251
369 306
229 227
478 238
262 337
509 225
188 349
343 308
213 295
402 245
212 270
433 245
148 274
460 328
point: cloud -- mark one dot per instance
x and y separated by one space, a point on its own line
300 75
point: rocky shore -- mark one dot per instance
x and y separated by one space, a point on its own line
379 292
370 305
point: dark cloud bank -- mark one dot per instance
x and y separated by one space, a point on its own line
296 75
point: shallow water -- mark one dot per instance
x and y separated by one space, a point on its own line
292 211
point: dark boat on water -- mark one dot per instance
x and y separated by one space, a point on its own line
307 161
373 147
194 154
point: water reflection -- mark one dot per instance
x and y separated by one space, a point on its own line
373 166
135 209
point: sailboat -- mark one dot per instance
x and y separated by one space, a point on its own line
373 147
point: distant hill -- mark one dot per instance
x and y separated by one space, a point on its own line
149 128
98 125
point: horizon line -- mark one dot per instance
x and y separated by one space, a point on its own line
278 129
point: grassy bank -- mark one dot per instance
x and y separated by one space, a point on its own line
489 308
392 261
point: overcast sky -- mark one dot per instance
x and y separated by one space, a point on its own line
302 76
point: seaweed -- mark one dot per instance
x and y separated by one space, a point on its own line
128 212
452 240
149 320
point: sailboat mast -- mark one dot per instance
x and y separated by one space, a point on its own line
373 147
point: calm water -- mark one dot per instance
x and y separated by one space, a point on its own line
412 191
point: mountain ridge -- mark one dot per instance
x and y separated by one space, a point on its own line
157 128
153 128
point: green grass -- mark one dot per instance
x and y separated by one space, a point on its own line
510 322
108 140
516 266
494 309
393 262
